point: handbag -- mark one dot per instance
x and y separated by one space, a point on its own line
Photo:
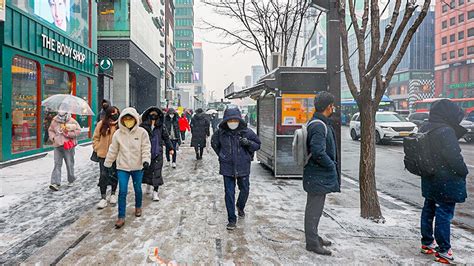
94 157
68 145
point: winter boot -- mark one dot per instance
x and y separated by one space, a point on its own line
138 212
54 187
155 196
231 226
113 199
318 249
323 242
119 223
102 204
430 249
445 257
241 212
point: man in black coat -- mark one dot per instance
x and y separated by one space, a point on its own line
235 144
200 131
172 126
320 174
448 186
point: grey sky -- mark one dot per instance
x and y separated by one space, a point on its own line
221 65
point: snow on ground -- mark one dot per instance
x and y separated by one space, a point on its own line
188 224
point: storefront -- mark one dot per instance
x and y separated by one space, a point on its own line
47 47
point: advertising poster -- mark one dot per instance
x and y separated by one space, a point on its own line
2 10
296 109
57 12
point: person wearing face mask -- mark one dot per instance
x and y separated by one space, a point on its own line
320 175
199 132
153 123
235 145
130 149
63 131
172 126
101 141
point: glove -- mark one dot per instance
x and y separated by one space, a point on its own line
109 171
245 142
146 165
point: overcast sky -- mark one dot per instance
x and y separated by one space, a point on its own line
221 65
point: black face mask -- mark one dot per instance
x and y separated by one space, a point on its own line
115 117
154 117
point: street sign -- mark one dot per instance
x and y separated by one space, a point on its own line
106 64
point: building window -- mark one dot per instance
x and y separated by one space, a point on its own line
83 90
470 32
24 110
461 18
460 35
452 4
444 24
445 8
452 37
461 52
470 50
452 55
460 2
452 21
444 57
444 40
113 16
470 14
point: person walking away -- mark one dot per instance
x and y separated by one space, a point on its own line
320 175
130 149
235 145
448 185
199 131
153 123
183 127
101 141
63 133
105 104
172 126
214 122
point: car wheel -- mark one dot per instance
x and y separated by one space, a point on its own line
354 135
469 139
378 140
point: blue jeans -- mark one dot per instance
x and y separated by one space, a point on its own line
444 212
244 187
123 178
174 142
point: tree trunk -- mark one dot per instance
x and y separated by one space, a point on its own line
369 201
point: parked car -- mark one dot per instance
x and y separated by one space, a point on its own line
468 123
418 118
388 125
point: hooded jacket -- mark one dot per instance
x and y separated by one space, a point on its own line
449 182
184 124
234 159
172 123
60 132
199 130
130 148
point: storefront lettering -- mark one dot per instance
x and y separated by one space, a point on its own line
461 85
62 49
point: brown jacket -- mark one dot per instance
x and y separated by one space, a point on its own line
100 143
62 132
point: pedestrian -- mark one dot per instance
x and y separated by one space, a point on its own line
320 175
199 131
183 126
214 122
63 133
235 145
153 123
102 140
448 185
172 126
130 149
104 104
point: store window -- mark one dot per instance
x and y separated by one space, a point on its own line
113 15
55 81
25 130
83 91
70 16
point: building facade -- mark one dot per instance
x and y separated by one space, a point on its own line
44 55
454 56
257 73
170 52
132 34
198 78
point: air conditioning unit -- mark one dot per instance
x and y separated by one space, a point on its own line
275 60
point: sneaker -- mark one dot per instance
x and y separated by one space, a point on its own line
174 165
445 257
54 187
102 204
231 226
429 249
155 196
241 213
113 199
70 184
169 164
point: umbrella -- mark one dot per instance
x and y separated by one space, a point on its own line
67 103
211 111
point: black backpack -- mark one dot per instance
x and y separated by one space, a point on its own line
418 155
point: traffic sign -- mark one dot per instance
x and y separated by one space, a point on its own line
106 64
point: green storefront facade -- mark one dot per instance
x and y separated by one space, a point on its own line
46 49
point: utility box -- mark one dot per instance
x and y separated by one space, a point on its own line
285 101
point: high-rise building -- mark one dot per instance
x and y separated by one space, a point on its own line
454 56
198 78
248 81
315 54
170 53
184 41
257 73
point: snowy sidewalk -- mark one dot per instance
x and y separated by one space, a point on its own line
188 224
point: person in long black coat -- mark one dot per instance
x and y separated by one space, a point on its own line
448 185
152 122
172 126
200 131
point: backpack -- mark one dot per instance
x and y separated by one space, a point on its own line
299 145
418 158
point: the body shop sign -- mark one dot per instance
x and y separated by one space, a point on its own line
62 49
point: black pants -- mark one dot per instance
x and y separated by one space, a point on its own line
174 142
313 212
199 150
183 135
105 180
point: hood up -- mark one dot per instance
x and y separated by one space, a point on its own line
129 111
146 116
447 112
232 113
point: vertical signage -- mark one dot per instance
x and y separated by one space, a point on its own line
2 10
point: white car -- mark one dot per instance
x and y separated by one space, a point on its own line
389 126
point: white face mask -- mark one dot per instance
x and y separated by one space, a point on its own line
233 125
172 116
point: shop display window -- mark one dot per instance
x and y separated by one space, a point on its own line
113 15
55 81
83 91
24 104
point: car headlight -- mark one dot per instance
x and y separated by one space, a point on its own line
386 128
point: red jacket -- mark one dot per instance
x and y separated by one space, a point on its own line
184 124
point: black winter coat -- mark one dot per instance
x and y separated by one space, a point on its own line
234 159
174 122
158 138
449 182
199 130
320 174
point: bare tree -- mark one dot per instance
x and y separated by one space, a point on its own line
372 82
263 26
